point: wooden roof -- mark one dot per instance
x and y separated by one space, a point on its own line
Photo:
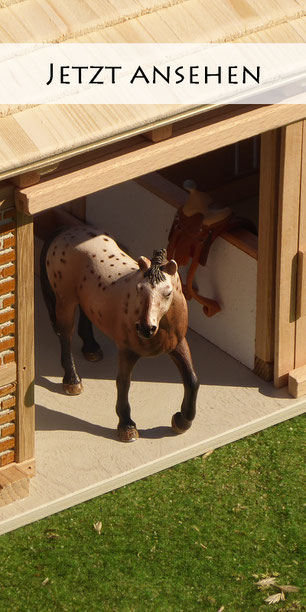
39 134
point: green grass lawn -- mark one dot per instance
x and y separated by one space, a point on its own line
195 537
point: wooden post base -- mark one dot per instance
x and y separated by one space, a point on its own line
15 481
263 369
297 382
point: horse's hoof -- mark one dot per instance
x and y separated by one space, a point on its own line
179 424
96 356
73 389
128 435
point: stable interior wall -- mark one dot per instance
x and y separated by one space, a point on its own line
140 221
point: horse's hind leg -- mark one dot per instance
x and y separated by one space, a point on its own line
90 349
64 328
181 421
127 431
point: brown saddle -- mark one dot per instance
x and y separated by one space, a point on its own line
195 228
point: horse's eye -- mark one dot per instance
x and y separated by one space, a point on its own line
167 295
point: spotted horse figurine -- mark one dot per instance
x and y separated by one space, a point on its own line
140 305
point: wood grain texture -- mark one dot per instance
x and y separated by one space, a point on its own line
158 134
287 248
141 158
300 349
14 485
297 382
25 414
8 373
267 237
23 142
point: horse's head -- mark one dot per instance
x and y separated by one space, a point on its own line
154 292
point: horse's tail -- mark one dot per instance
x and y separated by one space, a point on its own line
47 291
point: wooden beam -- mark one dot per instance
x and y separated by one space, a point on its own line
300 341
140 157
26 179
287 248
25 415
267 236
158 134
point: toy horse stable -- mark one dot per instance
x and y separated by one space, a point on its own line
139 305
53 156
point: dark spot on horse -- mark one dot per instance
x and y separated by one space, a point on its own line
55 274
63 260
123 254
94 255
124 263
59 274
55 246
119 273
109 276
104 250
81 286
99 277
105 239
117 258
133 268
111 265
63 253
104 288
113 282
126 311
110 256
48 262
53 253
128 296
84 279
91 271
100 285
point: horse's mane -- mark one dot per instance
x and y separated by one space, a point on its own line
154 273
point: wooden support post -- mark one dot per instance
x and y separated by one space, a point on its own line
300 341
267 237
287 250
25 417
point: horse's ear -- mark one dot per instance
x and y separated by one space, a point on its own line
144 263
170 267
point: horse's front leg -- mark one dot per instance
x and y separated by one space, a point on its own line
181 421
127 431
64 328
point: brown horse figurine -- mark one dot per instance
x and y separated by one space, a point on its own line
140 305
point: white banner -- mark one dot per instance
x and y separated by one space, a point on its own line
193 74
